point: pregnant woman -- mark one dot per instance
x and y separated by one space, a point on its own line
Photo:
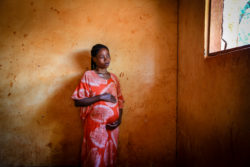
100 100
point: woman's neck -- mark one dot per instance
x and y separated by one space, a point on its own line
101 70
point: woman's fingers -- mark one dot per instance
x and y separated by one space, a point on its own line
109 98
113 99
112 125
115 123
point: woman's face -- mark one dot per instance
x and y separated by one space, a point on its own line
102 59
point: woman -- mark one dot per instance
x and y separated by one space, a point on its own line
101 102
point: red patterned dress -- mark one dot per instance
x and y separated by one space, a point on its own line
99 147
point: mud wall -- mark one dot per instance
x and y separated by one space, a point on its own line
45 48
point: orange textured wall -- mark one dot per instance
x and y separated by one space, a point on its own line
213 98
44 50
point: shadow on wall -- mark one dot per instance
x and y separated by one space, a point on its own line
224 113
59 119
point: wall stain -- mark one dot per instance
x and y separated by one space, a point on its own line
144 16
121 74
89 19
11 84
133 31
49 145
23 46
55 10
11 75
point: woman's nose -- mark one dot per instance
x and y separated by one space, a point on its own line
106 58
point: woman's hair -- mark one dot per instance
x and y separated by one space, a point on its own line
94 51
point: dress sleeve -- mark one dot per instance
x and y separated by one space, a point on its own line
82 90
119 95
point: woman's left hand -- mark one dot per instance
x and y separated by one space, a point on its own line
113 125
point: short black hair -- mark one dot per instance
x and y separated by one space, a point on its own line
94 51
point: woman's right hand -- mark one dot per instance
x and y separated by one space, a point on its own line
108 97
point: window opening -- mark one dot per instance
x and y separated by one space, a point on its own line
227 25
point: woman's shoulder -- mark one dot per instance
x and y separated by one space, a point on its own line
88 73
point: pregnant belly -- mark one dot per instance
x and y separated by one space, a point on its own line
115 116
102 113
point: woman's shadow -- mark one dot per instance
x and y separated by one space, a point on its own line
59 119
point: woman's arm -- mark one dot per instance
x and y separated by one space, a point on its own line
91 100
86 101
